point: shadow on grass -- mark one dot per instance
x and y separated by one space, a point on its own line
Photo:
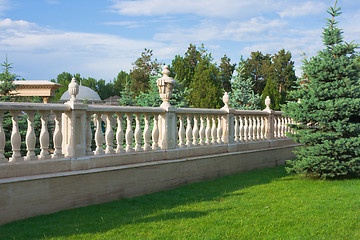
144 209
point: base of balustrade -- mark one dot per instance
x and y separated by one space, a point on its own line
28 196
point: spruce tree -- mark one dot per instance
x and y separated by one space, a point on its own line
328 110
271 90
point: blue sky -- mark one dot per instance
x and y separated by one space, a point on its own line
43 38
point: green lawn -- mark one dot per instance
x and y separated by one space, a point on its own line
261 204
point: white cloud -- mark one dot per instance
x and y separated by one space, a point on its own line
303 9
210 8
97 55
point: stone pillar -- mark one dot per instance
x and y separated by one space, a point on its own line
269 131
167 120
74 125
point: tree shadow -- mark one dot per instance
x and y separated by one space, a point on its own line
143 209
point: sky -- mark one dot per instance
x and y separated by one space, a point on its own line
43 38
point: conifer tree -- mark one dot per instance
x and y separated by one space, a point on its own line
328 113
271 90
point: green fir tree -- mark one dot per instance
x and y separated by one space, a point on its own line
328 113
271 90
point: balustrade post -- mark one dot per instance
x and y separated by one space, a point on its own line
57 138
30 138
269 132
147 133
119 134
109 134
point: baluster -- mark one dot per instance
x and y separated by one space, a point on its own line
137 133
208 130
147 133
246 129
213 130
241 130
236 128
181 132
99 137
15 138
250 129
119 134
219 130
129 133
57 137
254 127
188 131
155 133
279 127
30 138
2 140
263 137
88 134
44 136
202 130
284 127
109 134
258 128
195 131
289 122
275 127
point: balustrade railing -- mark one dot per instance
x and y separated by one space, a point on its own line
75 130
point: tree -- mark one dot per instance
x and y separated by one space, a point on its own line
143 68
283 73
271 90
258 68
120 82
226 70
6 81
328 114
64 79
242 95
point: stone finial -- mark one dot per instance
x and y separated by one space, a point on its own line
226 100
267 104
165 85
73 90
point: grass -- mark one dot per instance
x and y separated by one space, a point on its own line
261 204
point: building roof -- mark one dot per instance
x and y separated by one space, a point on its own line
85 93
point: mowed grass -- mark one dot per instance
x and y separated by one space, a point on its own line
261 204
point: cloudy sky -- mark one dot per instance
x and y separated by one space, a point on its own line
43 38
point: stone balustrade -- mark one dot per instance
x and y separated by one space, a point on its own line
81 131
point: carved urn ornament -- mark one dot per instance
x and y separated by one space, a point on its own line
226 100
267 103
73 89
165 85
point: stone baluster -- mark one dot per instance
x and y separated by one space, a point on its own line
208 130
213 130
246 129
119 134
251 129
44 136
202 130
258 128
236 128
263 130
241 129
276 127
138 133
129 133
195 132
147 133
155 133
15 138
254 128
89 136
99 137
30 138
2 139
280 126
219 130
284 127
57 137
181 132
188 131
109 134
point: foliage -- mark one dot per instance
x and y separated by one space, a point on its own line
63 79
271 90
226 70
242 95
328 114
143 68
6 81
261 204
